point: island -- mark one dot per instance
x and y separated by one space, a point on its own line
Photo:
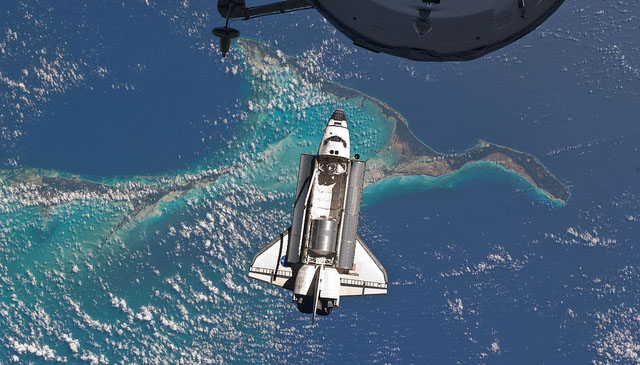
415 158
287 105
411 157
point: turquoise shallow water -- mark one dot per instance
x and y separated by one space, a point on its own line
121 268
473 174
482 269
483 272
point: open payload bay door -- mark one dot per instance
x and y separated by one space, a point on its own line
368 276
268 264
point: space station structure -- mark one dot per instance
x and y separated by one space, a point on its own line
320 257
421 30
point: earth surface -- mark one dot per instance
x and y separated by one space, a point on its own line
140 172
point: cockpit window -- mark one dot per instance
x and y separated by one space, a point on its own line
336 139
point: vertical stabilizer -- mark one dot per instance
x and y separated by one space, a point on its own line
316 293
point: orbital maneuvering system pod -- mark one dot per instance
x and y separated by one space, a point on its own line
320 257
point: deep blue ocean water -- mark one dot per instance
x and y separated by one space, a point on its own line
482 269
148 102
475 265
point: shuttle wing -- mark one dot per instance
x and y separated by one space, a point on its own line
268 264
368 277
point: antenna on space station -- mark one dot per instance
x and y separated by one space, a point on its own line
226 34
237 10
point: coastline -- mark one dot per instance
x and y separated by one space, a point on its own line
405 154
396 157
401 184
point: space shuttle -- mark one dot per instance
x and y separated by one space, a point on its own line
320 257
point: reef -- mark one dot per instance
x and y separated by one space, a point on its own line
404 154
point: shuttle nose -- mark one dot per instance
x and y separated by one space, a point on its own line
339 116
335 140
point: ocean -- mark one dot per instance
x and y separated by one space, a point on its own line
195 161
